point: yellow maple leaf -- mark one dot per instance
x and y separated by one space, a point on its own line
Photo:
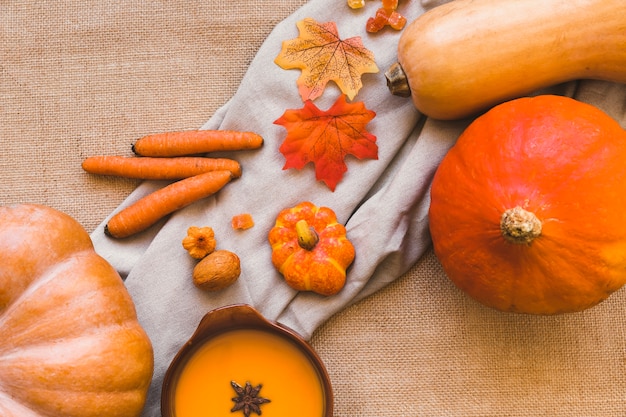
323 56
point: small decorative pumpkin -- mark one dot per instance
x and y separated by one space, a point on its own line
527 209
200 241
70 341
311 249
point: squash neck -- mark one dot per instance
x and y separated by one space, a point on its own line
520 226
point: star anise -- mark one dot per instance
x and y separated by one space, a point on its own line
247 399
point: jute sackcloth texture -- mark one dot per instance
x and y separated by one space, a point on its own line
84 78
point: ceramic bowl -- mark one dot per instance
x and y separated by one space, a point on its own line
220 322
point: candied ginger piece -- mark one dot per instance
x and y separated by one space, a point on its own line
385 17
376 23
242 221
396 21
356 4
389 4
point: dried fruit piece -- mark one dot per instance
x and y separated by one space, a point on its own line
217 271
396 21
356 4
242 221
385 17
199 242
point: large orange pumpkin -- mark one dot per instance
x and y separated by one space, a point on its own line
528 208
70 342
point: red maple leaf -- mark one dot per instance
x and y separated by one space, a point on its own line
326 137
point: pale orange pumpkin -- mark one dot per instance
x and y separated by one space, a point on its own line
70 341
527 210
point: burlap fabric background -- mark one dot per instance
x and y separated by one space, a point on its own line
82 78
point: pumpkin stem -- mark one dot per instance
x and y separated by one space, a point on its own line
519 226
397 83
307 236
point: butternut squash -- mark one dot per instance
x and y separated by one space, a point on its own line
467 55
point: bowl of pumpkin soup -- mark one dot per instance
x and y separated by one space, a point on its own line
238 363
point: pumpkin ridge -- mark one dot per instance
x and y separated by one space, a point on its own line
89 332
12 405
338 266
101 404
341 252
47 275
92 297
45 278
61 379
288 261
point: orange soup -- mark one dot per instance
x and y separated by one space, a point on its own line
288 378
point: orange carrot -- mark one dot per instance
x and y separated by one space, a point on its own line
193 142
158 168
150 209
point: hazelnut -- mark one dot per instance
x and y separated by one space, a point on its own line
217 271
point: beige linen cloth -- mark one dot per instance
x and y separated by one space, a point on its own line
400 340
